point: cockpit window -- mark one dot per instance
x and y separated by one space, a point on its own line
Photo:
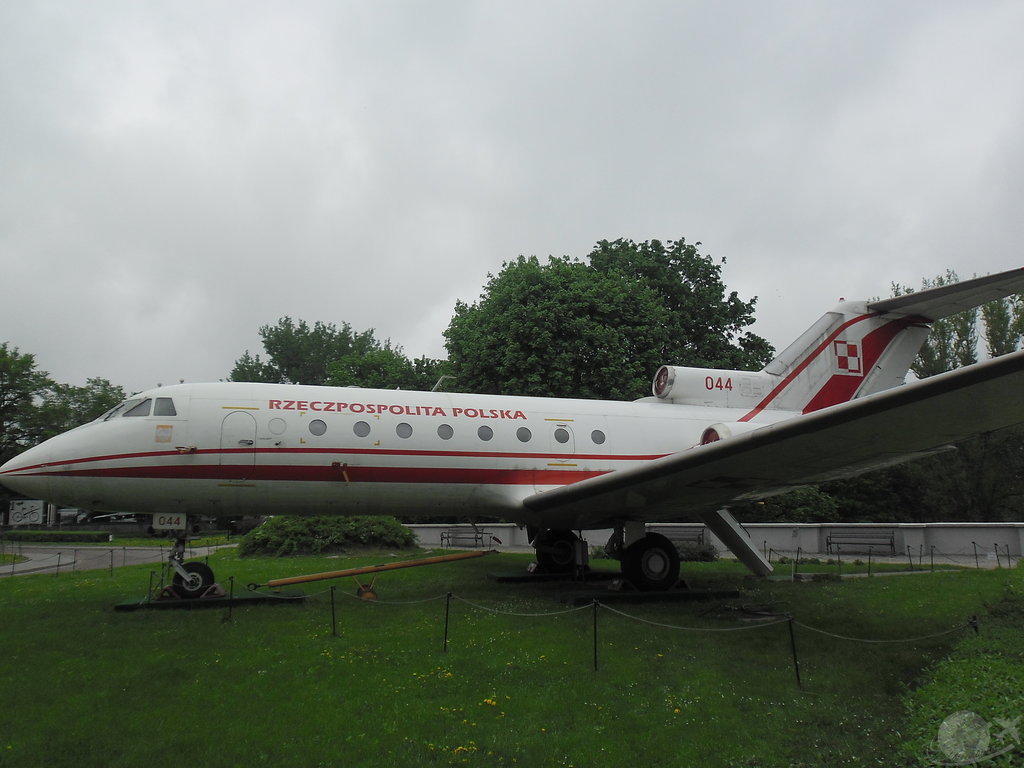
164 407
142 409
119 410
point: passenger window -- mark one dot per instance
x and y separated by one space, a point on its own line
404 430
598 437
562 435
361 428
142 409
524 434
485 433
318 427
445 432
164 407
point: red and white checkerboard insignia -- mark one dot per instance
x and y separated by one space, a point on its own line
847 358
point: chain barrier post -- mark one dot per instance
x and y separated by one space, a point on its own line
447 612
976 563
595 604
334 615
231 599
792 646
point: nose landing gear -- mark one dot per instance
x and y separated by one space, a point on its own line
191 580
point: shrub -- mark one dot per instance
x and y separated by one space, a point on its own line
293 535
51 535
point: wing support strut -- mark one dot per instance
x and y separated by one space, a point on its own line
737 540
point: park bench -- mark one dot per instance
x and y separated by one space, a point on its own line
842 539
693 535
466 537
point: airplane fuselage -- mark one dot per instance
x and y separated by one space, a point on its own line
236 448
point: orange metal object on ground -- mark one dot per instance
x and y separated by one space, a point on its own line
373 569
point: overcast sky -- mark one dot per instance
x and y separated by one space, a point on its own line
175 174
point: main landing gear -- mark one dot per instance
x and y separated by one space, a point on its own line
649 561
191 580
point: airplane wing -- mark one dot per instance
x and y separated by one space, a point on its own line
841 441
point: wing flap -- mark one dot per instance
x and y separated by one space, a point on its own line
843 440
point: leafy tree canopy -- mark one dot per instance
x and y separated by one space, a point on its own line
385 368
65 406
300 354
33 407
324 353
21 385
568 328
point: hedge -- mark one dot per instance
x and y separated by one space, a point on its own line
293 535
56 536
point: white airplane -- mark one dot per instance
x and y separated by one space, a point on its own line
832 405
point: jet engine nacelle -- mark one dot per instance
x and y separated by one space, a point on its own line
723 431
707 386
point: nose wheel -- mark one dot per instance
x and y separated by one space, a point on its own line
191 580
197 579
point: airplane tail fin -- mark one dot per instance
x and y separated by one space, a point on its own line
861 348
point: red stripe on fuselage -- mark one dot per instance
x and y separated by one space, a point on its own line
341 474
49 467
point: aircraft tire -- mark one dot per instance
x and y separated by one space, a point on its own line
201 578
556 551
651 564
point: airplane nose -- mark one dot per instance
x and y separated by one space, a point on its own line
26 473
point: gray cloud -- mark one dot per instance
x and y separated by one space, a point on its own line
175 175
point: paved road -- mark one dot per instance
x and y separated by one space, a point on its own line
56 558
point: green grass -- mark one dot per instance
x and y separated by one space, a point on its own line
84 685
984 675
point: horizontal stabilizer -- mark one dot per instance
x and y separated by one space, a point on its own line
945 300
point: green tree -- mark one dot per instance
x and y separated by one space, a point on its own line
705 324
1004 325
952 342
65 406
300 354
21 385
801 505
323 353
568 328
385 368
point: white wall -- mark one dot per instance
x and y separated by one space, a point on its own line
948 539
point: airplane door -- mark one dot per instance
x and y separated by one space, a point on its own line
238 444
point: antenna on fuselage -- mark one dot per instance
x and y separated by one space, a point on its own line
440 381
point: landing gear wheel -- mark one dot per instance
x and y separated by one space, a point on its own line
651 564
556 551
200 578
